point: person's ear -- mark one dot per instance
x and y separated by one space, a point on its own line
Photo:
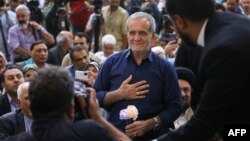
179 22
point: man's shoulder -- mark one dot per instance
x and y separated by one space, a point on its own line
53 50
88 125
3 99
12 118
91 128
14 28
123 11
21 137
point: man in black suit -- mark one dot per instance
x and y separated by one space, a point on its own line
11 78
224 67
64 41
16 122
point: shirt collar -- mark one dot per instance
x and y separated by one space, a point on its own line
150 55
201 37
14 106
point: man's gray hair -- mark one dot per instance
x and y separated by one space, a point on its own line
108 39
61 37
141 15
22 7
20 88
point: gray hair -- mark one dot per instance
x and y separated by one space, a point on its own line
108 39
61 37
20 88
22 7
141 15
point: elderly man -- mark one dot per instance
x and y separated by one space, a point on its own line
11 78
108 46
223 68
139 77
64 41
24 34
16 122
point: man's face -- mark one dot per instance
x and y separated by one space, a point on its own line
25 101
114 3
186 90
108 49
12 79
231 5
81 59
245 4
139 37
39 53
14 4
81 41
22 18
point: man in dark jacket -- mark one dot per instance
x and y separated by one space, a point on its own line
16 122
223 68
11 78
64 40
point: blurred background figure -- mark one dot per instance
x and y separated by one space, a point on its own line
245 6
115 18
64 40
108 47
233 6
159 50
29 70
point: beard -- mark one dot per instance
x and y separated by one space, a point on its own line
187 40
23 24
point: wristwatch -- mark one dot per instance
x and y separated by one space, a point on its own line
157 123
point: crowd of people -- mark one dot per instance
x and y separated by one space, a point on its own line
183 64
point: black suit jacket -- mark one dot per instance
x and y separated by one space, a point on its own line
11 124
55 56
4 105
61 130
225 73
189 57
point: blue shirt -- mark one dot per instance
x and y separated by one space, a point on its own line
163 99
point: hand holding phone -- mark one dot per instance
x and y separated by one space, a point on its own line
81 75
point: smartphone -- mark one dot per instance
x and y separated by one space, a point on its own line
172 36
81 75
